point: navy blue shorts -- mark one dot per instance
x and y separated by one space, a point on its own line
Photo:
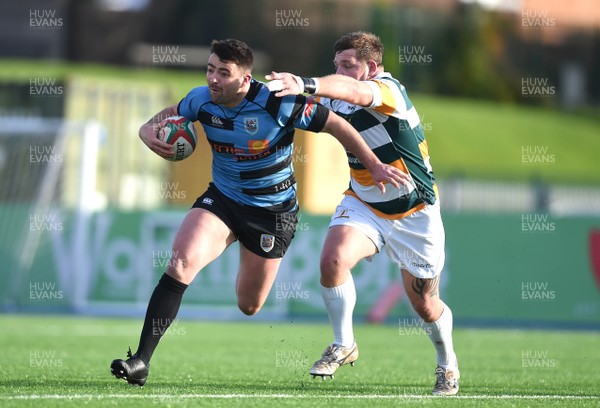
267 232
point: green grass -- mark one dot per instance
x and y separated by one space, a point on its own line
485 140
468 138
54 361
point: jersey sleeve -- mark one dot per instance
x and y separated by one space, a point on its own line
308 114
188 107
387 97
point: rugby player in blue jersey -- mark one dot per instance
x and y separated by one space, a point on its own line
252 197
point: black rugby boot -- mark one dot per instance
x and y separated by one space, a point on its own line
133 370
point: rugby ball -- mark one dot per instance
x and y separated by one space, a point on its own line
179 132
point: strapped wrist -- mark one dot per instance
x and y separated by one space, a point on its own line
310 85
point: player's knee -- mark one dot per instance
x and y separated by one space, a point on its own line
331 264
330 267
179 267
428 311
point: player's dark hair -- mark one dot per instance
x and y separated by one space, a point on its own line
367 45
231 50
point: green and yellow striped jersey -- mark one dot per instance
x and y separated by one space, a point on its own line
392 128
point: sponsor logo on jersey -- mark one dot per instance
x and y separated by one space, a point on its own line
258 146
422 265
258 149
267 242
225 148
208 201
215 120
251 124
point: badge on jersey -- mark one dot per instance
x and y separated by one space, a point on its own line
267 242
251 124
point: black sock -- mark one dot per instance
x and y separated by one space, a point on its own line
162 310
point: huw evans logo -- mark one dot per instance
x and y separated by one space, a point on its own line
537 359
44 222
290 222
412 327
537 223
44 359
44 19
43 154
45 87
164 259
537 155
170 191
537 88
168 55
290 358
537 291
426 125
297 154
291 19
290 290
537 19
161 327
414 55
44 291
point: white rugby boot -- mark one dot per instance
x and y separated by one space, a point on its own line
334 357
446 382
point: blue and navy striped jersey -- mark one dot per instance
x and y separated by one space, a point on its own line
252 143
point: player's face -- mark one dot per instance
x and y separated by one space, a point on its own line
227 81
347 64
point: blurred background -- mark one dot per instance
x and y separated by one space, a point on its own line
508 92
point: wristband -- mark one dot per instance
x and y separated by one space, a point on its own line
310 85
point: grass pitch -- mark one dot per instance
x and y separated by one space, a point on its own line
57 361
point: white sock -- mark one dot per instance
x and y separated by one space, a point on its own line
340 302
440 333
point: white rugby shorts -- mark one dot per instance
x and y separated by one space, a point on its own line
415 242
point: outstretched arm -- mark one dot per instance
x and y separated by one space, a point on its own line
332 86
149 133
353 142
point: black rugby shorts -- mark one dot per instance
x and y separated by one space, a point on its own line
267 232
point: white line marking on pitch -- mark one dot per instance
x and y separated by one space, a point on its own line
285 396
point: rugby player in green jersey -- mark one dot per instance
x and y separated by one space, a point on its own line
405 220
